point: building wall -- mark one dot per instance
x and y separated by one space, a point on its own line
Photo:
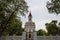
35 37
48 37
11 38
14 37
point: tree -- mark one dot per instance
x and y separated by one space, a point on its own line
14 27
41 32
59 24
54 6
9 9
52 28
58 30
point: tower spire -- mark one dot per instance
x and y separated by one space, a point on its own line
30 16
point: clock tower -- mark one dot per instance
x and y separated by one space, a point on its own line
29 28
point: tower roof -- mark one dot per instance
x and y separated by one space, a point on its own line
30 15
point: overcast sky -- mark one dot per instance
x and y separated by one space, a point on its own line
40 14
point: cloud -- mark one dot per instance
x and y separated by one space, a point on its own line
40 14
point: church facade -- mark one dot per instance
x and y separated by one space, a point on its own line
30 33
29 28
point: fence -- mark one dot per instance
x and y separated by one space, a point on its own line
48 37
11 38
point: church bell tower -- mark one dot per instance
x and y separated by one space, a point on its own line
29 28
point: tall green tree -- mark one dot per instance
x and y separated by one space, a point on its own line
54 6
14 27
52 28
9 9
41 32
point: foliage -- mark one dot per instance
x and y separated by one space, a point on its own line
41 32
14 27
54 6
58 30
9 9
52 28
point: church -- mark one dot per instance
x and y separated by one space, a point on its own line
30 33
